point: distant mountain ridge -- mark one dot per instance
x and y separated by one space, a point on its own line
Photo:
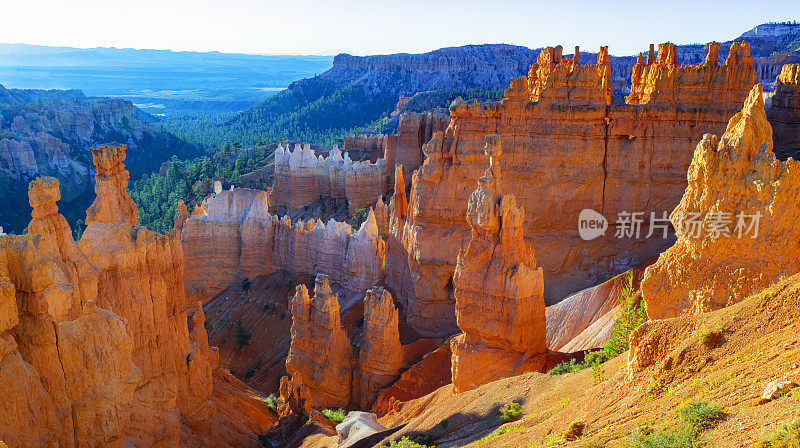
358 90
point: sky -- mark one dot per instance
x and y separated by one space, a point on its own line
378 26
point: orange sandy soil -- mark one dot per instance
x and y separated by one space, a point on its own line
759 343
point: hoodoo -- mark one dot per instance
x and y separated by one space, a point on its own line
498 288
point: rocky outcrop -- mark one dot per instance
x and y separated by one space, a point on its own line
414 130
61 384
567 150
784 114
381 356
112 205
324 377
734 220
301 178
72 271
498 288
237 237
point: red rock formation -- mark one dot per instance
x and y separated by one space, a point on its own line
381 356
326 375
784 114
112 204
414 130
237 237
738 212
72 270
567 150
498 289
181 215
61 384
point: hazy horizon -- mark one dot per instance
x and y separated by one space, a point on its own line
305 27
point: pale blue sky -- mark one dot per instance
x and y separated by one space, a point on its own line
372 27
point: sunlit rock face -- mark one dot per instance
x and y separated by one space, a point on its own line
113 204
568 146
323 376
738 213
498 288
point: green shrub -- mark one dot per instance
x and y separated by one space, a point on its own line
405 443
565 367
444 424
426 438
246 284
335 416
680 438
272 403
787 436
510 412
574 431
701 416
594 445
710 338
242 335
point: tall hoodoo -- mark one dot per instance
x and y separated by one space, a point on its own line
324 374
498 289
112 205
72 272
738 212
381 356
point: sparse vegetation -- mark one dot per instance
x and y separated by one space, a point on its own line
697 418
335 416
272 403
565 367
497 433
574 431
444 424
246 284
787 436
701 416
242 336
405 443
426 438
510 412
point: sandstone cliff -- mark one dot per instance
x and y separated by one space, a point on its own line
567 150
734 221
784 114
237 237
498 288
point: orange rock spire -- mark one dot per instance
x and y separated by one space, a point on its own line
113 204
498 288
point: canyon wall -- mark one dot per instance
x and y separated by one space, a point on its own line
734 221
301 178
567 149
498 289
236 237
784 114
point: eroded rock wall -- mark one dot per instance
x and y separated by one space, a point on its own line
738 213
784 114
567 149
236 237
